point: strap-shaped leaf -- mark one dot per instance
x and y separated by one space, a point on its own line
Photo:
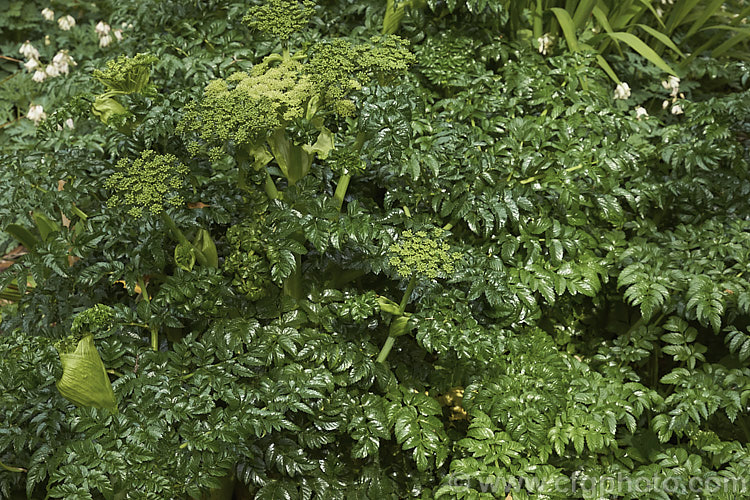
568 27
640 46
662 38
583 12
707 12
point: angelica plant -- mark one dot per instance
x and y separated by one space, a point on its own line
415 255
251 113
152 184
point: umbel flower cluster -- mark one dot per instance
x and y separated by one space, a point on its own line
246 107
339 67
280 18
423 254
127 74
150 182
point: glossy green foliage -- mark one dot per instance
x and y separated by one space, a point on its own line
293 325
248 262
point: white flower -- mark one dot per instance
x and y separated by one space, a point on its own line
62 61
672 84
102 28
48 14
118 35
39 76
544 43
69 123
36 113
52 71
676 109
31 64
105 40
66 22
640 112
28 51
47 41
622 91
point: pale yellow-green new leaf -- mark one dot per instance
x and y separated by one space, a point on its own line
84 380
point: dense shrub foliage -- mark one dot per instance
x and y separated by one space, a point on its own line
375 249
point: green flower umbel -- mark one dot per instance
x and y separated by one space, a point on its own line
150 182
423 254
246 108
280 18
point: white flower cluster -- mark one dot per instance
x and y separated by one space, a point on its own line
103 32
664 3
673 85
545 42
60 64
36 113
622 91
66 22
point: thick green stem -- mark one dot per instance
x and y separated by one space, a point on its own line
407 293
537 23
341 187
180 237
343 183
393 16
386 349
293 284
154 339
154 331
